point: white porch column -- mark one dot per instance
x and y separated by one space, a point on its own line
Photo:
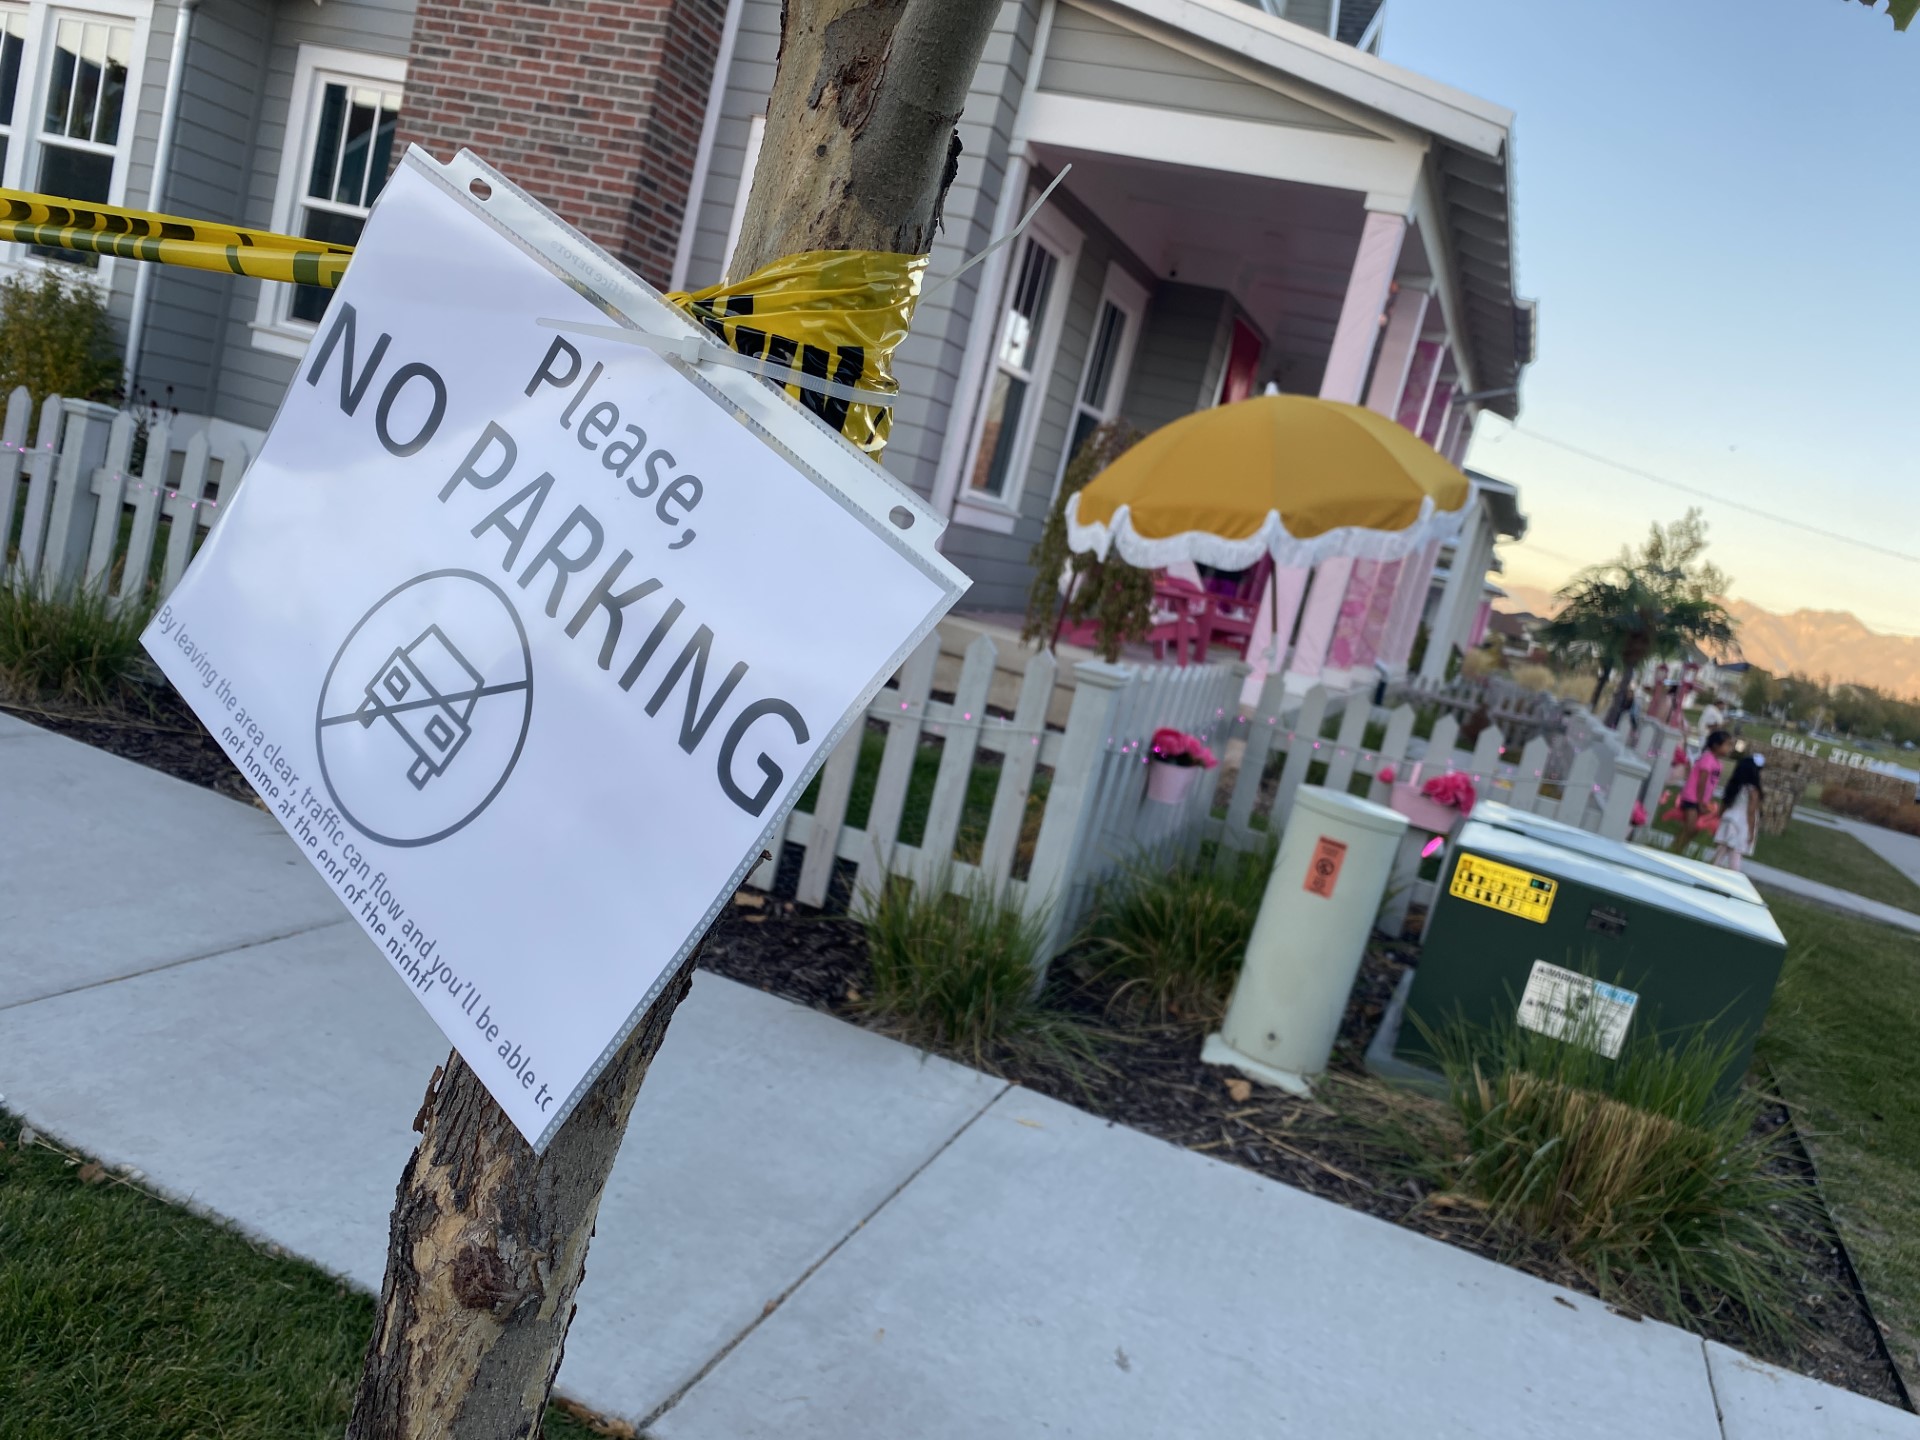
1397 345
1472 554
1368 285
1286 587
1317 622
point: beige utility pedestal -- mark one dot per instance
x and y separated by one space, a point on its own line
1327 884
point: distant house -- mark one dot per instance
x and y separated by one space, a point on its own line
1515 629
1255 198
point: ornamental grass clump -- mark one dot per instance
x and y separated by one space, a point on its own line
79 648
955 972
1174 939
1646 1176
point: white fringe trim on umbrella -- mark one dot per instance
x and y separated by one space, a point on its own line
1354 542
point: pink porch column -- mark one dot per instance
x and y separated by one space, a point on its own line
1386 594
1368 285
1437 410
1478 632
1317 621
1416 580
1349 630
1462 435
1285 588
1421 375
1397 346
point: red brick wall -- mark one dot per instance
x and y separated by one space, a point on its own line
594 106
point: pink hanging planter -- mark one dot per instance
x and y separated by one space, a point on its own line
1170 784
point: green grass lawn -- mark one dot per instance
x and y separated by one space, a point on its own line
124 1316
1843 1038
1835 858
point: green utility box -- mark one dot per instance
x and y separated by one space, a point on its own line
1544 923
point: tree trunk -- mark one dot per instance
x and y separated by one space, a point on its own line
488 1242
1600 685
860 146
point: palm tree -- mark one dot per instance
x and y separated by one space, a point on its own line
1651 604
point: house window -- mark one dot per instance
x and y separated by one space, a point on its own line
66 81
13 50
350 152
341 123
1109 357
1006 414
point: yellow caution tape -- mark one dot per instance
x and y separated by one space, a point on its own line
198 244
834 315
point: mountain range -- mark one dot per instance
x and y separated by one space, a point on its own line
1833 643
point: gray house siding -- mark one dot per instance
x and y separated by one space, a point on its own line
928 363
248 382
1182 349
219 104
998 562
1091 56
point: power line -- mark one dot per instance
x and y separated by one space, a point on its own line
1700 494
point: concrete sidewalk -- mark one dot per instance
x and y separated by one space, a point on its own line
1831 896
812 1232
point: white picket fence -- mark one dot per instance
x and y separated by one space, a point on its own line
1049 850
87 516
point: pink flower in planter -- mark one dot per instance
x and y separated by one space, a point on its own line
1386 775
1452 789
1176 747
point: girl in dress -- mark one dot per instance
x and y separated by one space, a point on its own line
1739 814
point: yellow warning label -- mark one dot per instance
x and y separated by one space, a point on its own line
1503 887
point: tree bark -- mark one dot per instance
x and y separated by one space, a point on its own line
486 1250
488 1242
860 147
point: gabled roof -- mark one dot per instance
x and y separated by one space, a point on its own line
1472 157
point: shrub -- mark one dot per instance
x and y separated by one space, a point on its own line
1874 809
1640 1171
956 972
77 648
55 338
1174 939
1115 596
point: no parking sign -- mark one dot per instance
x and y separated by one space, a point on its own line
530 636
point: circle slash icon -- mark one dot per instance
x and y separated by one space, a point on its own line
424 711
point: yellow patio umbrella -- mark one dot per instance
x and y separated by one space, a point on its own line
1300 479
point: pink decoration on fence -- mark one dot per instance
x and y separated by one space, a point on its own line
1639 814
1386 774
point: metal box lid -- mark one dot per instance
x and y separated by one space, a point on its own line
1678 868
1614 875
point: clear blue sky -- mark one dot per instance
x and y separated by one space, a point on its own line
1718 208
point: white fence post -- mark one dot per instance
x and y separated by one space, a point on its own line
33 525
1052 880
13 454
1016 772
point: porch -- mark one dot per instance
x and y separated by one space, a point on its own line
1242 209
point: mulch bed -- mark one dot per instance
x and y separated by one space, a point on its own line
1149 1077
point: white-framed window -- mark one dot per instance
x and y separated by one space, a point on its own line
1039 282
339 152
69 88
1103 375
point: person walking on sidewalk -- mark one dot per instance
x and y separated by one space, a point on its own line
1740 813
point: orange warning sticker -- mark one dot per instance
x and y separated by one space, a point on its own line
1323 871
